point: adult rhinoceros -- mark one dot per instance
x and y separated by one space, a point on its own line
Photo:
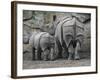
42 46
69 36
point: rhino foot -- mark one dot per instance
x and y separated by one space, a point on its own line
45 59
70 56
77 57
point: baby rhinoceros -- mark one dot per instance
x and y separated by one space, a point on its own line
42 46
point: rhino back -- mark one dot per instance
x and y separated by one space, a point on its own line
46 41
37 39
61 30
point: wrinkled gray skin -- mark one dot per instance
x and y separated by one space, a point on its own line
42 46
64 34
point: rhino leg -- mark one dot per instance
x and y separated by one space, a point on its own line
52 55
58 49
77 48
64 53
71 52
33 53
37 54
45 55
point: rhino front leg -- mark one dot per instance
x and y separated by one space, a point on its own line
58 49
77 48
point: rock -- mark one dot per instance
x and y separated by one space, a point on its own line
27 14
26 34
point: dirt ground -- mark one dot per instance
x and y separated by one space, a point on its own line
29 64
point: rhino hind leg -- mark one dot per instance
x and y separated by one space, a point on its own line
52 55
65 53
71 52
37 54
45 55
77 48
33 53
